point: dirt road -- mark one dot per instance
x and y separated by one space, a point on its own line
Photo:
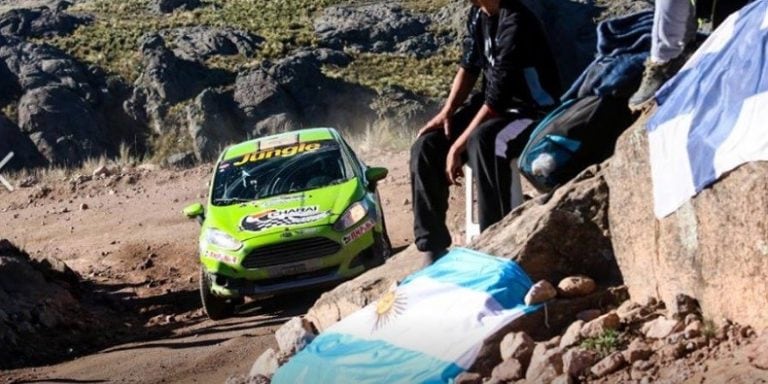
125 236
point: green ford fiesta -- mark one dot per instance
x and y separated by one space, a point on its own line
285 213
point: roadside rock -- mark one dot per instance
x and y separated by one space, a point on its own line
598 326
589 315
688 245
574 286
609 364
518 346
572 335
294 335
508 370
758 352
168 6
266 365
568 235
202 42
546 364
266 106
636 351
661 327
468 378
352 295
40 22
577 361
384 27
181 160
540 292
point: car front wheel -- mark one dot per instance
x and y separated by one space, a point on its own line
215 307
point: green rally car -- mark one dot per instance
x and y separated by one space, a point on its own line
285 213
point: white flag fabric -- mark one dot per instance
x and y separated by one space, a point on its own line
712 115
428 330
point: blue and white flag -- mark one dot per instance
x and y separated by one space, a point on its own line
427 330
713 115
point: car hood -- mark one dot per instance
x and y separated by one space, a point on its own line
321 206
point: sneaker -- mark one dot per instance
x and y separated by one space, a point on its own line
654 76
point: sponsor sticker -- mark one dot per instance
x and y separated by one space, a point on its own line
280 200
221 257
357 232
284 151
280 217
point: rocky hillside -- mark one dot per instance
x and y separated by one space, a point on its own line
90 78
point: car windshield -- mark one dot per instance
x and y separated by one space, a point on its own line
277 171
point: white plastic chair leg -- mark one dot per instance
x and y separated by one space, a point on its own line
471 228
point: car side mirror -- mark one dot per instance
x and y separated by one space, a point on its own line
195 211
374 175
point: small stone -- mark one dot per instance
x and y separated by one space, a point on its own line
406 201
691 317
693 330
695 344
747 332
508 370
146 264
540 292
661 327
468 378
102 171
636 351
546 364
577 361
294 335
673 351
572 335
608 365
589 315
576 286
517 345
266 364
563 379
642 365
596 327
683 306
83 206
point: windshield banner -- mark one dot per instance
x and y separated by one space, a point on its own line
285 151
281 217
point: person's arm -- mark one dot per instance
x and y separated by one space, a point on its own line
453 161
462 85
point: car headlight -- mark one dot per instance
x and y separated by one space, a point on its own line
222 240
353 215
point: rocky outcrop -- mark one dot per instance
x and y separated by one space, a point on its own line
568 235
168 6
213 124
68 110
202 42
41 22
24 151
383 27
167 80
713 248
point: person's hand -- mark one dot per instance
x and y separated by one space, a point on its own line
441 121
453 166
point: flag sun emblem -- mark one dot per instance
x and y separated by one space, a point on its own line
388 307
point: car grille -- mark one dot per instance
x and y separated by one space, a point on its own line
290 252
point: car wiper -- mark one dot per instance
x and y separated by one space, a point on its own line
231 200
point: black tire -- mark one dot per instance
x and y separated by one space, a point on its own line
217 308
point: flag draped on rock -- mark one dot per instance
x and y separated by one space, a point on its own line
427 330
713 115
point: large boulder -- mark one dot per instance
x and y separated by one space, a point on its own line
213 124
568 235
167 80
265 105
201 42
41 22
381 27
24 151
713 248
63 126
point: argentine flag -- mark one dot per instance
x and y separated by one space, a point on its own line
427 330
713 115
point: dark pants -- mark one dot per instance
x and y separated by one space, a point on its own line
429 183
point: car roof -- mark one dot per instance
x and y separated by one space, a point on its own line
302 135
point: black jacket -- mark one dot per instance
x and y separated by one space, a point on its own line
511 50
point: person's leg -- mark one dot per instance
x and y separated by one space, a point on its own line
674 27
493 184
429 186
509 145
